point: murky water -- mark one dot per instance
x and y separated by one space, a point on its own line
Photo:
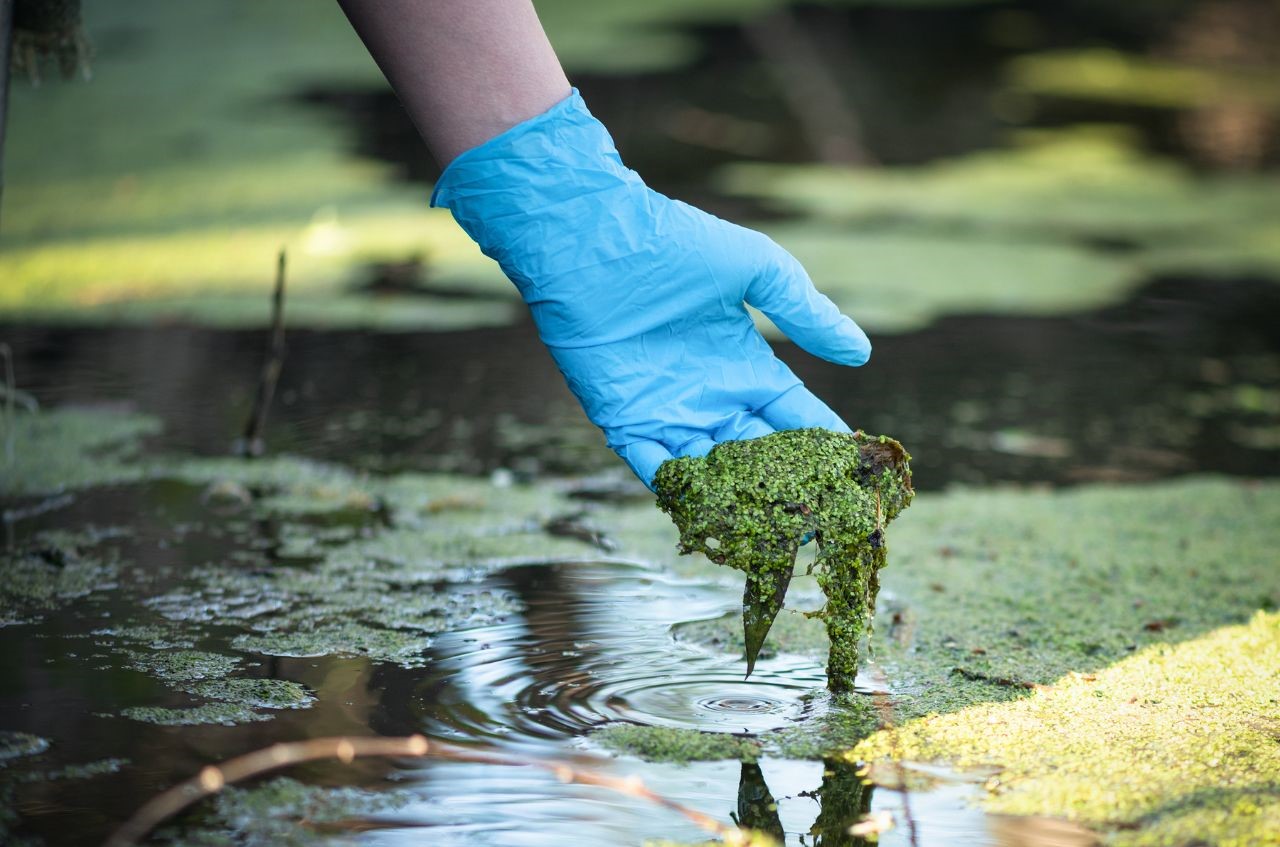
589 644
1182 378
1176 381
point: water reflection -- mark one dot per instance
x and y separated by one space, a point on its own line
592 646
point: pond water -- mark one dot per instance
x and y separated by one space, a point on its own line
1179 379
1175 381
530 655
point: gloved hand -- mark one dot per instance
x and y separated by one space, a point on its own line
639 297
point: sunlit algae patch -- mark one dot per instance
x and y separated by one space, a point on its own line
751 504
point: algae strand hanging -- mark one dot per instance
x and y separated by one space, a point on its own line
750 505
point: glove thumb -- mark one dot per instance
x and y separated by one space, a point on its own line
784 292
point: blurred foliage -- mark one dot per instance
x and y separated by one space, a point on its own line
641 37
1061 221
1082 183
162 190
1109 75
183 167
897 281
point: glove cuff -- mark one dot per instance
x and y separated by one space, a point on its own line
522 192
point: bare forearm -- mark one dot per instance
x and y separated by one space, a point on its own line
465 70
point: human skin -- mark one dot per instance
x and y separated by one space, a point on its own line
465 70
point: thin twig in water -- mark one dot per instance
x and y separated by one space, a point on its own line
10 396
252 444
885 709
214 778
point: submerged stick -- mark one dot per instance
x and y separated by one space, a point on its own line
214 778
253 443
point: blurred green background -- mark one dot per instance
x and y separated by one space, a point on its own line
921 158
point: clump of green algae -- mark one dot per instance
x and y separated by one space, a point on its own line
751 504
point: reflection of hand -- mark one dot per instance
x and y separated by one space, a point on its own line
640 297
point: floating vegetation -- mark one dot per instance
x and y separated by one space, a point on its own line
226 714
87 770
181 665
751 504
15 745
285 811
45 576
340 639
70 448
258 693
671 744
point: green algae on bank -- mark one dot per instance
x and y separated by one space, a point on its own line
1174 745
751 504
1102 595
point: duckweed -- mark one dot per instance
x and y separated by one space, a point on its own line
751 504
670 744
226 714
1166 747
258 693
285 811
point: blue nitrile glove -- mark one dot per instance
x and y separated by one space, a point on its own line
640 297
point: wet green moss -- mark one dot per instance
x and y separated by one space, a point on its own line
668 744
751 504
226 714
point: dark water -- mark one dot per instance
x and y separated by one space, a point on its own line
590 644
1180 379
1175 381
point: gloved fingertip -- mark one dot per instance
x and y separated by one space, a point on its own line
851 347
644 458
698 446
799 408
742 426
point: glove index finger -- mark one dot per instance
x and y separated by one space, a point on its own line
799 408
644 457
784 292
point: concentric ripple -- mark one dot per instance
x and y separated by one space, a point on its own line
593 646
